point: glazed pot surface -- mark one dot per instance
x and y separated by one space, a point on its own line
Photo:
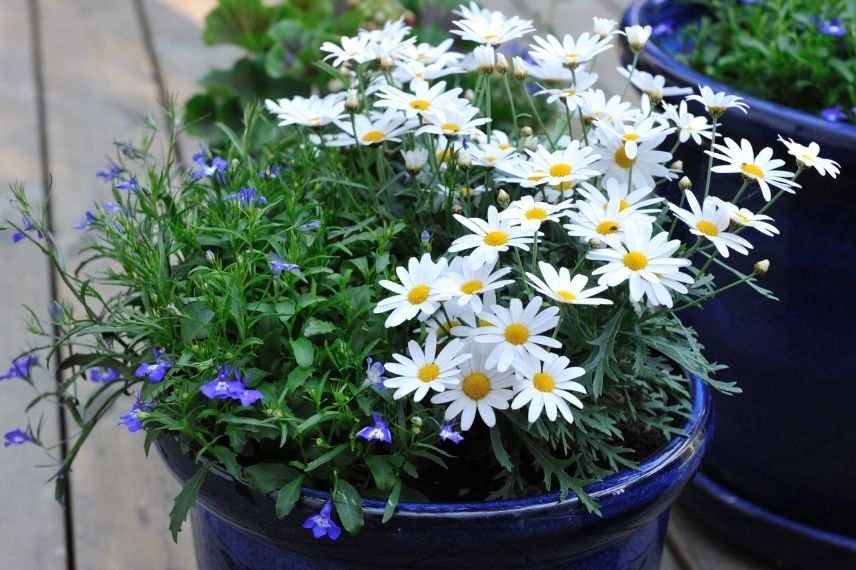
235 528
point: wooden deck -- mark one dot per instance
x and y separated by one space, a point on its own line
77 74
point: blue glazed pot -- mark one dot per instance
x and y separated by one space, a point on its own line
782 462
235 528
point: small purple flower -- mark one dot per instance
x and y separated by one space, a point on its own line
374 374
309 226
111 207
216 168
26 227
425 236
104 375
663 29
111 173
229 386
247 196
323 524
133 420
154 371
834 27
448 433
16 437
272 171
750 2
278 266
129 150
379 431
87 222
21 367
131 185
834 114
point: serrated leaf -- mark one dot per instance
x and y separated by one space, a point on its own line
499 450
318 327
288 496
349 506
297 377
227 458
185 501
304 352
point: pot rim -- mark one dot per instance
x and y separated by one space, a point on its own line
659 57
608 492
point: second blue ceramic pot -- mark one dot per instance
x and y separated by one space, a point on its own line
781 469
235 528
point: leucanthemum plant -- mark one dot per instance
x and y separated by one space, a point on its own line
400 298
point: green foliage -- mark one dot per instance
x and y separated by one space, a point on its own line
774 50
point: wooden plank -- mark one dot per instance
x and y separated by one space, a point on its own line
31 526
99 86
691 543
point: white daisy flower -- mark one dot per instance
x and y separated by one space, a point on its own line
418 290
446 320
571 95
639 258
426 370
711 221
314 111
409 71
636 133
604 27
594 105
638 36
517 332
374 129
423 98
517 170
429 54
745 217
569 52
645 168
489 238
528 214
551 72
717 103
547 386
465 285
489 27
415 160
446 149
635 201
671 282
559 286
355 49
568 165
689 125
481 390
489 154
809 157
654 86
762 168
483 59
592 222
453 121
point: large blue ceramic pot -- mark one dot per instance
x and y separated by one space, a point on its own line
780 477
235 528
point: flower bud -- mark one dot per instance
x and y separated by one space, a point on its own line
526 132
470 95
678 166
762 267
485 57
416 424
425 236
352 103
386 63
685 183
503 198
520 70
457 209
501 64
209 255
409 18
464 159
637 37
595 243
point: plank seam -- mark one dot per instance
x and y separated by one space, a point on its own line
34 13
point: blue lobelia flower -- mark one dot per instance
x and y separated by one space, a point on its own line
448 433
26 227
104 375
834 115
16 437
111 173
131 185
834 27
379 431
21 367
425 236
215 169
374 374
87 222
154 371
272 171
230 386
309 226
279 265
323 524
247 196
133 420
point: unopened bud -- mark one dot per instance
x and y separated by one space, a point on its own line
503 198
209 255
409 18
485 57
470 95
526 132
352 103
595 243
685 183
678 166
520 71
416 424
464 159
386 63
501 64
335 85
762 267
457 209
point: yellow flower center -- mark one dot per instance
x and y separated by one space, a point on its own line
607 227
476 386
445 328
622 160
465 191
429 372
315 119
752 170
496 238
707 227
374 136
451 127
489 37
517 334
635 260
623 205
484 323
565 186
741 218
471 287
535 177
543 382
536 214
420 104
504 146
561 169
419 294
566 296
631 137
